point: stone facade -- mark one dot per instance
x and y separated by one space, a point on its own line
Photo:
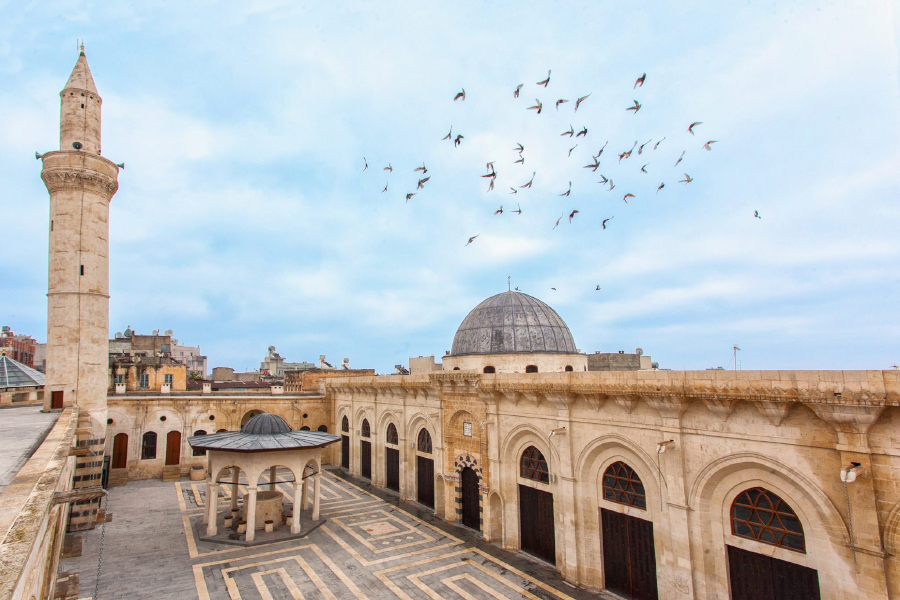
790 432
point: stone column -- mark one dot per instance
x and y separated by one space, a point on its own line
235 479
206 512
212 501
295 514
273 477
304 497
316 495
250 513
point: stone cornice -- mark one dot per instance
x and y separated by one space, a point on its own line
76 179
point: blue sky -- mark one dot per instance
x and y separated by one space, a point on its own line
244 218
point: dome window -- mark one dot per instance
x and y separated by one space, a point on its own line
569 369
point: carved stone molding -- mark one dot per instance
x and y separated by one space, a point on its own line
723 407
670 407
71 179
774 411
848 419
627 402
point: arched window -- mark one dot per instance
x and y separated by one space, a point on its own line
456 368
391 436
345 424
490 369
531 369
366 432
304 428
323 428
621 484
760 515
199 451
534 465
148 446
569 369
423 444
222 431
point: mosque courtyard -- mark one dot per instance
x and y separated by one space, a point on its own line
371 545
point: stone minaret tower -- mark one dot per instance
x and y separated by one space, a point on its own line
81 184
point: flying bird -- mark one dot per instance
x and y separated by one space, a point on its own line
641 149
557 221
449 135
518 212
626 197
520 161
410 195
687 179
640 81
389 168
367 163
457 141
471 239
582 133
422 183
692 125
569 133
560 101
603 224
528 185
572 148
492 174
544 82
599 154
499 211
490 166
636 107
554 289
605 180
707 145
572 215
756 214
612 185
595 165
569 191
423 169
514 190
385 188
627 154
491 186
537 106
644 168
661 186
518 87
580 100
519 148
462 95
680 158
656 145
597 288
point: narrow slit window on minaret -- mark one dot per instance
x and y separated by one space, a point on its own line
51 225
82 106
82 269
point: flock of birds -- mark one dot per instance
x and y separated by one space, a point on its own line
491 172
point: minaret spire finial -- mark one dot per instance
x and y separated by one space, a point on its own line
509 283
81 50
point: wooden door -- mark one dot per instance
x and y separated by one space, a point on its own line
345 451
425 481
120 451
753 575
56 400
471 515
173 448
392 468
365 459
629 556
536 523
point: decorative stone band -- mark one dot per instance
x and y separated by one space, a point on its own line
60 179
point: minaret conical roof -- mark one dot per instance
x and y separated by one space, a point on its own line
81 78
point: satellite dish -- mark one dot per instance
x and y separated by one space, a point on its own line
638 351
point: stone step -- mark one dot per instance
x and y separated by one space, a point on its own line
171 473
117 477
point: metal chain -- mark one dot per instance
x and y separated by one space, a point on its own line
850 521
100 556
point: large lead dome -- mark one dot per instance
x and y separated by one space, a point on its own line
512 322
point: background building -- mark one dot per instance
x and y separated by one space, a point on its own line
21 348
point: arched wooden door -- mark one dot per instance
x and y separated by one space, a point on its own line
173 448
392 459
345 443
424 469
120 451
471 516
365 450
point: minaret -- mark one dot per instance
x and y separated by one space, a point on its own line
81 184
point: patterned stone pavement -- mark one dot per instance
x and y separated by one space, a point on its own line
370 546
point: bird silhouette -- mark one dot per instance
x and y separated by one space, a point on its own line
595 165
514 190
518 87
410 195
458 140
423 169
367 163
599 154
692 125
597 288
554 289
520 161
421 185
491 186
492 174
580 100
528 185
680 158
687 179
560 101
449 135
636 107
518 212
640 81
499 211
489 166
661 186
605 221
656 145
581 133
605 180
644 168
519 148
626 197
385 188
612 186
707 145
569 133
641 149
568 191
557 221
537 106
462 95
389 168
572 215
572 148
544 82
471 239
756 214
